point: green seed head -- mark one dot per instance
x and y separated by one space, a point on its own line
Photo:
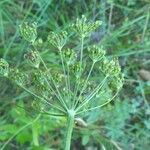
39 82
111 68
58 77
116 82
58 40
38 77
96 53
28 31
83 28
33 58
18 77
115 67
69 56
4 67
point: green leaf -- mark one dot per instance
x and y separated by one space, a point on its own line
85 139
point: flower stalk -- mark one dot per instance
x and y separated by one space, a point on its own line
69 129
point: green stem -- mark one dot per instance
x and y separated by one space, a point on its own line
85 85
70 125
59 94
102 105
81 64
146 23
41 98
81 55
64 70
35 134
92 94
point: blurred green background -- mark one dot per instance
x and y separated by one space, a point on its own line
125 32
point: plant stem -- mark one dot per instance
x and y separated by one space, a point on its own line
70 125
81 64
35 134
102 105
110 17
41 98
59 94
146 24
95 91
81 55
85 85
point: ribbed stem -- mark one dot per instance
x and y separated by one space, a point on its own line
70 125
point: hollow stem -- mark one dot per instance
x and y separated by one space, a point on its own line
70 125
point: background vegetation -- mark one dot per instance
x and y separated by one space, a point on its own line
122 125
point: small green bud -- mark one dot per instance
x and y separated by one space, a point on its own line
57 39
28 31
4 67
33 58
69 56
83 28
96 53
